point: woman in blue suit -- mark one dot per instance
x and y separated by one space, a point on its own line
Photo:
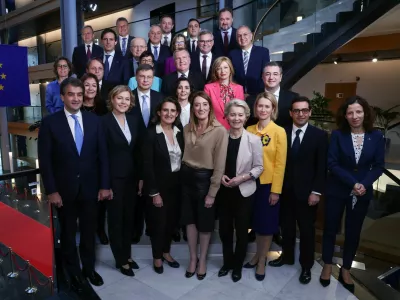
355 161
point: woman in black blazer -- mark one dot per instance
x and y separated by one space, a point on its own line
123 133
162 152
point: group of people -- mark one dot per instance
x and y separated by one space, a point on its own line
183 132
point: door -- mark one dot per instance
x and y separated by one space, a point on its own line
338 93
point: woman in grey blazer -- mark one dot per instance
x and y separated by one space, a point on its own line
244 164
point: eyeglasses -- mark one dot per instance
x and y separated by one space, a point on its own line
138 47
62 66
146 61
203 41
304 111
179 43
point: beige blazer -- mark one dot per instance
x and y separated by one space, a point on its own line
249 160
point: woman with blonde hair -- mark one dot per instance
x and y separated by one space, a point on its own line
269 187
222 89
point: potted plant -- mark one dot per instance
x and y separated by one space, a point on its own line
320 111
385 120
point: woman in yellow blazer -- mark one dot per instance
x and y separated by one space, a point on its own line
266 202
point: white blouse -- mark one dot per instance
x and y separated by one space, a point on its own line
358 143
173 150
125 129
185 115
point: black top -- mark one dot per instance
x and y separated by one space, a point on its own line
231 157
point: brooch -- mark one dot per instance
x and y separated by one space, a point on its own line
265 139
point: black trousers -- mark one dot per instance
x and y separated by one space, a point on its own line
292 210
334 209
161 221
86 211
139 215
234 212
101 216
120 214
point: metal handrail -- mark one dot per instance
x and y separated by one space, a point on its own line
263 17
391 176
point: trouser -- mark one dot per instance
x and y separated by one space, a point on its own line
139 216
292 210
120 214
101 216
234 212
334 208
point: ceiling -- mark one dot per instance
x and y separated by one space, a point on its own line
387 24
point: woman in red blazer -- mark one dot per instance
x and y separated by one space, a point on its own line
222 89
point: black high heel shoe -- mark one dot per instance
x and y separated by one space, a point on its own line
347 286
250 266
324 282
260 277
190 274
173 264
201 276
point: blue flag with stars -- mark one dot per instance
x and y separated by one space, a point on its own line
14 79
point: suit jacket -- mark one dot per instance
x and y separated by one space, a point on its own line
159 64
189 47
213 90
128 53
284 104
306 172
196 61
344 172
119 72
249 160
122 157
168 87
155 98
65 171
218 47
156 161
252 80
79 58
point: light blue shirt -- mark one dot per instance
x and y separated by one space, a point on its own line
156 86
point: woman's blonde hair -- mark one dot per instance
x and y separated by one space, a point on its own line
237 103
116 91
217 63
271 97
194 121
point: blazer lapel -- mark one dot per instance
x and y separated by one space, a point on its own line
131 129
366 145
163 146
218 96
305 141
117 128
348 143
241 153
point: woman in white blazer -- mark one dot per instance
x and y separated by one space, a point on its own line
244 164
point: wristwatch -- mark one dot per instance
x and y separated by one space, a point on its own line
251 176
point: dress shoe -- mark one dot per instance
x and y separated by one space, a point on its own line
280 261
236 275
277 239
324 282
158 270
93 277
133 265
77 284
103 237
127 272
347 286
191 274
173 264
201 276
305 276
251 236
224 271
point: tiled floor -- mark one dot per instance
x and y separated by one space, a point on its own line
280 283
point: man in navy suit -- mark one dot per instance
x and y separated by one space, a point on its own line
83 53
225 37
160 52
167 25
124 39
304 182
116 68
202 61
193 30
249 62
137 47
75 171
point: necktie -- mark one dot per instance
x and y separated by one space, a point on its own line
296 143
226 41
145 111
135 66
123 46
245 61
204 66
88 52
106 67
193 45
165 43
155 52
78 134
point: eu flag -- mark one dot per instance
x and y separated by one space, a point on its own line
14 79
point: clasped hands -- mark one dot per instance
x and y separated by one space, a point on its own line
228 182
359 189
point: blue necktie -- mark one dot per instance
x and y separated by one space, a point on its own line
123 46
78 134
106 67
145 111
296 143
155 53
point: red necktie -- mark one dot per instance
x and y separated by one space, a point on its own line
226 41
88 53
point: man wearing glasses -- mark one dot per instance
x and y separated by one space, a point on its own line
304 182
137 46
203 60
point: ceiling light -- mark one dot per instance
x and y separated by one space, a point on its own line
375 58
93 6
337 60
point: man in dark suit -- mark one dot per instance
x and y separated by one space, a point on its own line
124 39
249 62
160 52
75 171
304 182
182 63
193 30
116 68
137 47
146 103
202 61
167 25
83 53
225 37
272 77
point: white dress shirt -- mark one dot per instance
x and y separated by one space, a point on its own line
125 129
110 59
301 135
100 83
173 149
185 115
208 61
191 42
185 73
140 95
71 121
126 44
90 47
229 34
276 93
169 38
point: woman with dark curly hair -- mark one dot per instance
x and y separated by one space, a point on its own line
62 68
355 161
92 101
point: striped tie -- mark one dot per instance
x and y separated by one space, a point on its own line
245 61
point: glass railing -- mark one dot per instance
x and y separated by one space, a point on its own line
26 114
